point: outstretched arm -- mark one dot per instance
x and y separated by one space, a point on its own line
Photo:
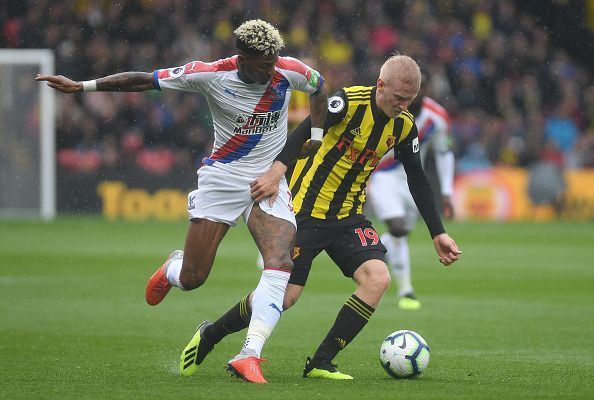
122 82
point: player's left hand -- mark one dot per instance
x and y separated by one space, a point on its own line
309 148
447 249
447 207
61 83
267 185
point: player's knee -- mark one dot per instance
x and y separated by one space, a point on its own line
191 281
378 281
373 278
397 227
382 281
282 262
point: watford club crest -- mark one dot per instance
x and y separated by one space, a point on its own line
390 141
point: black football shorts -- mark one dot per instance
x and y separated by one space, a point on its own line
348 246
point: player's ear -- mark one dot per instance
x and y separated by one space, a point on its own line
380 83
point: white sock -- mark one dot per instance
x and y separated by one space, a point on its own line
399 259
174 271
267 305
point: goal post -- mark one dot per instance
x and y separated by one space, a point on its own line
27 135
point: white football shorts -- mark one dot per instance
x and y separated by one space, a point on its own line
223 197
390 198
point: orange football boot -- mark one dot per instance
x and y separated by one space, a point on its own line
158 286
247 368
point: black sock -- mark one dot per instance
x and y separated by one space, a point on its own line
236 319
351 319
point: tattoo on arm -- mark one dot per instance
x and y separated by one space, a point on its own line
126 82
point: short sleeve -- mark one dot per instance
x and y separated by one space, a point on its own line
192 77
337 108
300 76
409 147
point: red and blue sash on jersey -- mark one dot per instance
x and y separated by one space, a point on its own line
240 145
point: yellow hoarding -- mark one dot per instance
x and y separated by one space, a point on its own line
501 194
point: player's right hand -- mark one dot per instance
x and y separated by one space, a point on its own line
60 83
447 249
310 148
266 185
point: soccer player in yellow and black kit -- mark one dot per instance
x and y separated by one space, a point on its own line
363 123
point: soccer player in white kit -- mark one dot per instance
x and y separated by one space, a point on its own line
248 95
392 202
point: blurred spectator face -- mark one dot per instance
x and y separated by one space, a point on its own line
394 96
256 68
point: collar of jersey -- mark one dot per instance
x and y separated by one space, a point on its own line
252 83
378 115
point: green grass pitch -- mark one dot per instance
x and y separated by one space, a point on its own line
514 319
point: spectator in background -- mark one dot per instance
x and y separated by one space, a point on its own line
485 55
546 180
562 132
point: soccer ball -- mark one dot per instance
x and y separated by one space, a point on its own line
404 354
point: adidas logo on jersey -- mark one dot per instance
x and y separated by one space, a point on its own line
356 131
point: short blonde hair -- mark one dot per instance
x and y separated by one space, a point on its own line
257 36
402 67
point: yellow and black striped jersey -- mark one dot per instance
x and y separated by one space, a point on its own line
330 185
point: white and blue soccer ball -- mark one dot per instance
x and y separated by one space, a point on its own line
404 354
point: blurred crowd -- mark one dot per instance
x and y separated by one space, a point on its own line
514 97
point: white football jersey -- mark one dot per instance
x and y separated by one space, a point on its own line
250 119
433 124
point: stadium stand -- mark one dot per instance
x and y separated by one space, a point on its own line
513 93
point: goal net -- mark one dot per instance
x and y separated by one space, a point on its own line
27 135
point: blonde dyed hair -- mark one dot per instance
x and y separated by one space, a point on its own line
259 36
403 68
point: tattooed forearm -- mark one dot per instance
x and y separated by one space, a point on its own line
126 82
319 107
